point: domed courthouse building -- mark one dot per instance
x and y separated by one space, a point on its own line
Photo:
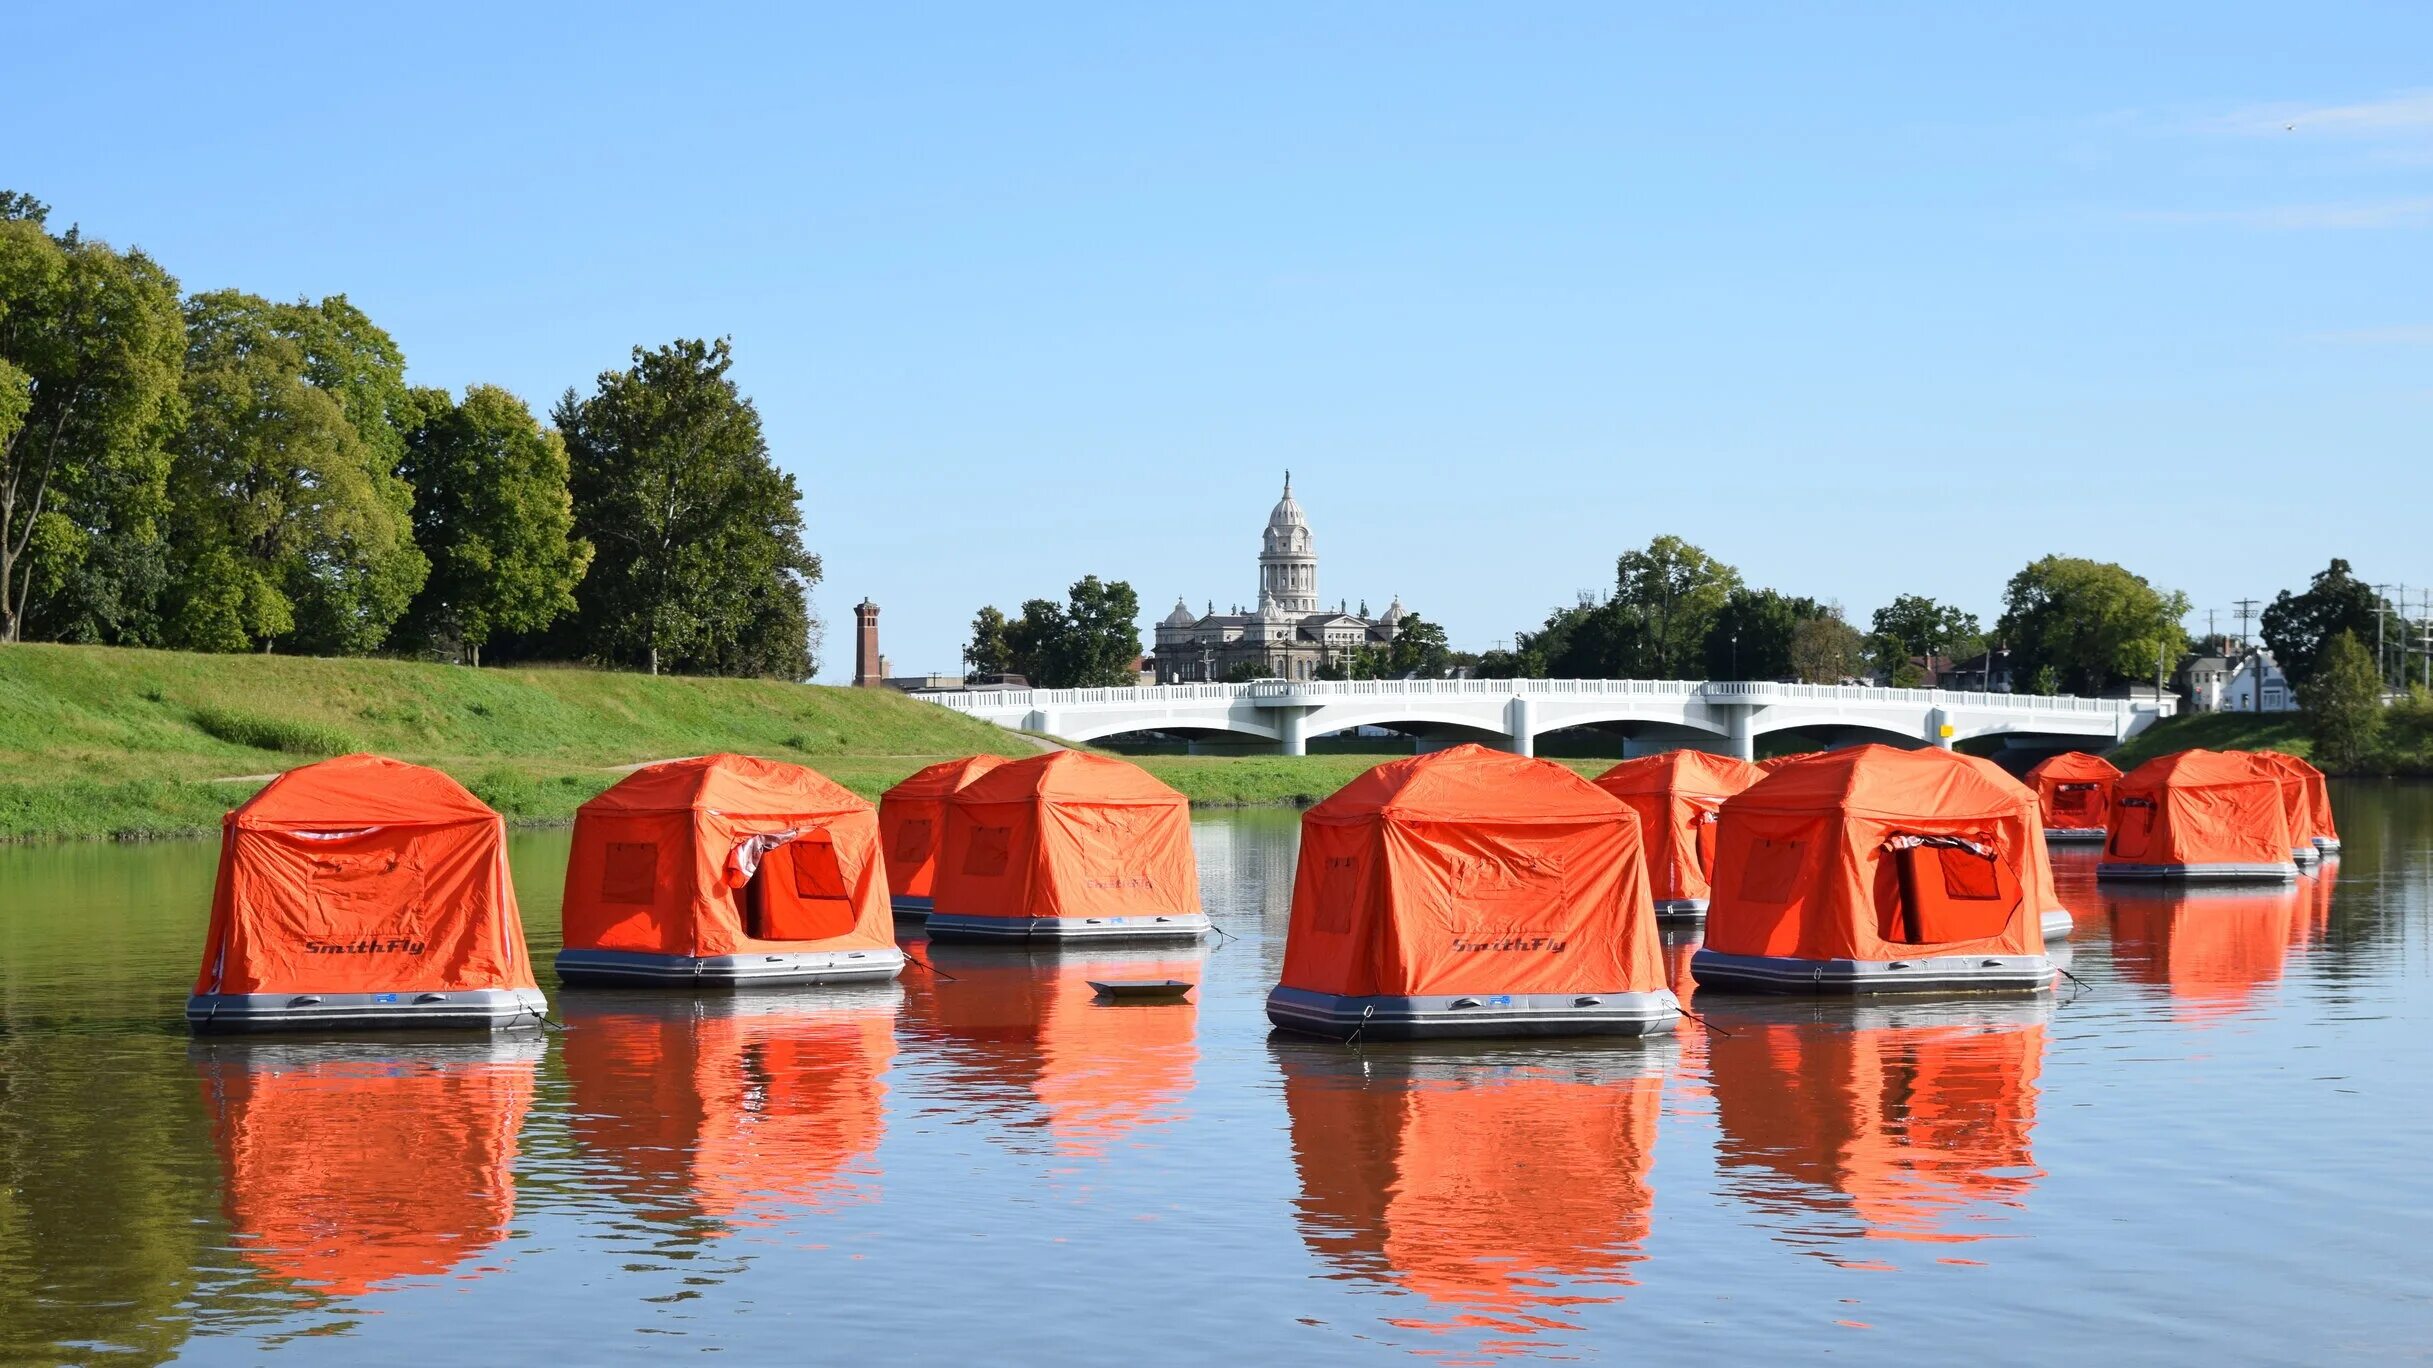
1288 636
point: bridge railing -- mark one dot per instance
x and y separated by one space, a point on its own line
1315 691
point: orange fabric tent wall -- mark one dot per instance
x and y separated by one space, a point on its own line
343 1171
912 814
1067 834
1471 871
2075 789
363 875
1805 869
655 864
2305 798
1676 796
2199 807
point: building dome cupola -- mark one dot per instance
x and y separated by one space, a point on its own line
1180 617
1288 556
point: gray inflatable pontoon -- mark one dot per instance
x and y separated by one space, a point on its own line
950 926
636 969
1472 1015
2258 872
2327 845
2057 923
1680 909
1715 970
2074 835
482 1009
910 907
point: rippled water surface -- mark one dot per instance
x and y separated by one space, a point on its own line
2216 1149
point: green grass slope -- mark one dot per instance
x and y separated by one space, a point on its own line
97 741
2215 731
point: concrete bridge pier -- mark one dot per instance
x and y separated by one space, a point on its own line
1740 738
1520 723
1939 728
1291 738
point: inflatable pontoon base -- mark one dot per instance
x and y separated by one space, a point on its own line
475 1009
2058 923
2258 872
1680 909
910 906
950 926
634 968
1840 977
2327 845
2074 835
1472 1015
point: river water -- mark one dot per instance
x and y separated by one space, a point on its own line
2216 1149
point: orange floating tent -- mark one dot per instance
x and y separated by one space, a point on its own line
1676 796
2213 949
743 1108
1875 870
1469 892
2075 789
2199 814
1912 1124
1066 846
345 1168
724 870
1393 1190
363 892
1773 763
911 816
2306 802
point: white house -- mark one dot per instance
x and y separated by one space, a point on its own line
2237 693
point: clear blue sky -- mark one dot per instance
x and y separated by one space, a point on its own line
1864 300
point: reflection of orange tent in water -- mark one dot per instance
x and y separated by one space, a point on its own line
343 1168
1910 1124
2211 949
1394 1190
1026 1038
741 1108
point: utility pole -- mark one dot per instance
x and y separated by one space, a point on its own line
2382 603
2247 609
2211 635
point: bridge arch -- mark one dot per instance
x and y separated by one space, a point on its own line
1214 724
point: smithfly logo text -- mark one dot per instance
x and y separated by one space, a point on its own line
394 945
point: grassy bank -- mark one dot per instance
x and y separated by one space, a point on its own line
2215 731
97 742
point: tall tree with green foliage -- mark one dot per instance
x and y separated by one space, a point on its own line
1673 592
287 524
990 651
1752 635
1826 650
493 515
2343 699
1420 650
1090 641
699 534
94 340
2298 627
2091 622
1913 625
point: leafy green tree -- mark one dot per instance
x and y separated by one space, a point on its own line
2298 627
2343 699
1752 635
1913 625
699 534
1826 649
493 515
990 651
1090 641
287 523
2092 622
1419 650
96 341
1672 592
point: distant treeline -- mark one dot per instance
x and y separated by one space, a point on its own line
219 472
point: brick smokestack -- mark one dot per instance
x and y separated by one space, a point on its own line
869 671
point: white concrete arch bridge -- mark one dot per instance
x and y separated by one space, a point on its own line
1513 713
